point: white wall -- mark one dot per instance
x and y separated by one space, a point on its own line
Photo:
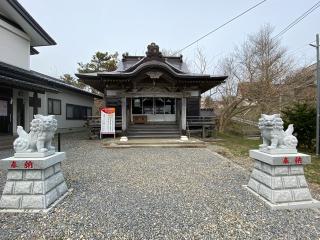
70 98
65 97
14 46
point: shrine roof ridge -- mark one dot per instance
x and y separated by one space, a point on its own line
153 64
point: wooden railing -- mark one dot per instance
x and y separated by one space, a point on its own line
200 124
242 120
201 120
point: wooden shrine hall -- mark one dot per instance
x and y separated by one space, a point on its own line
152 93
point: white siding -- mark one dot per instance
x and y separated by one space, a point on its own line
65 97
68 97
14 46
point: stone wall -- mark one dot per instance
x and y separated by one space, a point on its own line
279 184
33 188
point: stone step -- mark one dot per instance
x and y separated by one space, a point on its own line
158 146
154 131
155 142
152 127
8 146
155 136
6 142
151 131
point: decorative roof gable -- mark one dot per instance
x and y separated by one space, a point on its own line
153 51
154 56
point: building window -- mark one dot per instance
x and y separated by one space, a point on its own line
54 106
170 106
137 105
76 112
159 102
147 105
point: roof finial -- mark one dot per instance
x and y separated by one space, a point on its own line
153 51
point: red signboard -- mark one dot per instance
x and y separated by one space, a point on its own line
108 110
108 121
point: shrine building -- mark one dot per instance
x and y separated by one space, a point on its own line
152 90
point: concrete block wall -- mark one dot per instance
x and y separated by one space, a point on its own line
33 188
279 184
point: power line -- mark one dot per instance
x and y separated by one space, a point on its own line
293 51
214 30
297 20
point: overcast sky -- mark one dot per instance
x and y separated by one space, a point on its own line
81 28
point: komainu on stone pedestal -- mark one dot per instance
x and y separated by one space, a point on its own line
275 139
278 176
38 141
34 180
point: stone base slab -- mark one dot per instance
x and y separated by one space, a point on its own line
33 184
184 138
37 163
313 203
279 150
123 139
280 159
34 154
279 180
38 210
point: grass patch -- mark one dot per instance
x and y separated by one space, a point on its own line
240 146
312 171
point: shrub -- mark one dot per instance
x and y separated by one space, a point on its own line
303 117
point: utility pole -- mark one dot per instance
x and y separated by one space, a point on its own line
318 94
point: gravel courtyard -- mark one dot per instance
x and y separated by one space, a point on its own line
155 194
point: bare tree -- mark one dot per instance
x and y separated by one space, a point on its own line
200 61
300 86
169 53
265 64
208 102
232 100
257 71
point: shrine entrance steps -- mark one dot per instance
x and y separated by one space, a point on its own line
6 141
154 143
156 130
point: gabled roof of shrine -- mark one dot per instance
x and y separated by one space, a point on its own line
130 65
133 66
129 62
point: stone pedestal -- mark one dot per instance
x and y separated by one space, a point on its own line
123 139
278 180
184 138
33 183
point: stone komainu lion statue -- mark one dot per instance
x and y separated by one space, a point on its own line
42 129
272 133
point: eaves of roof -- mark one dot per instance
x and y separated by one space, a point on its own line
32 77
148 65
31 21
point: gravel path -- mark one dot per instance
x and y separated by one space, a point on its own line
155 194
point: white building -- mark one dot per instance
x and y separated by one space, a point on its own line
24 92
